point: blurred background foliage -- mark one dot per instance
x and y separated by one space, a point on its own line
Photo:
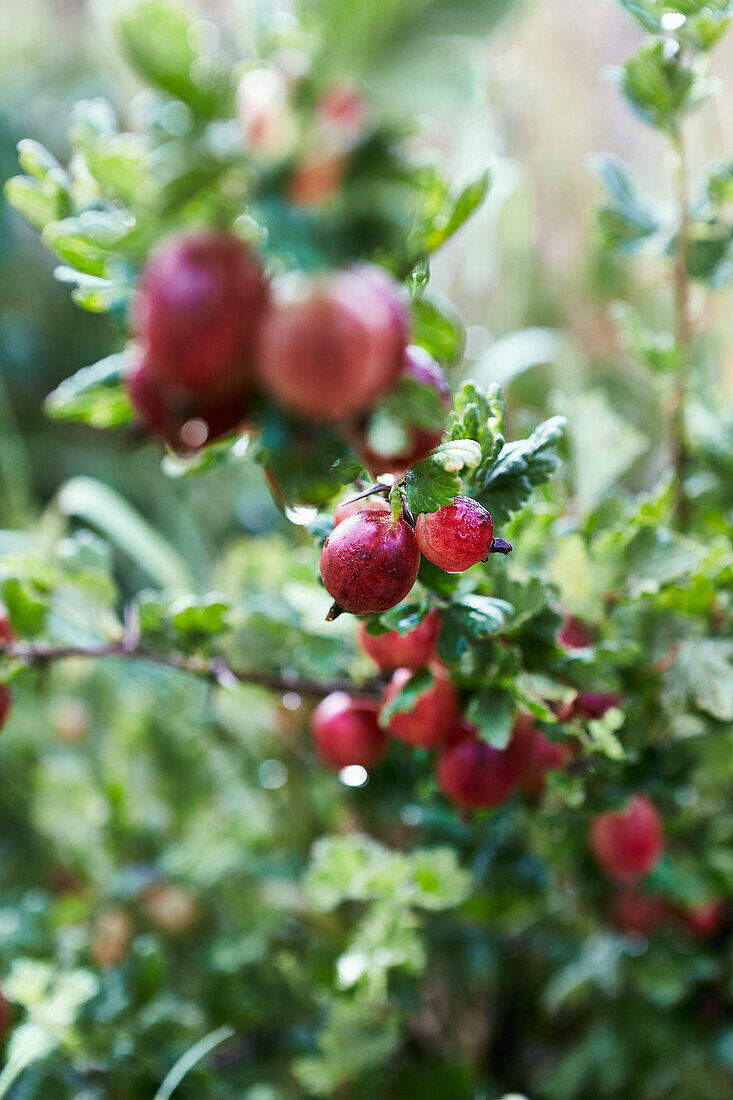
132 922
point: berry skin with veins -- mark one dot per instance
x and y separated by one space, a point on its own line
421 367
393 650
457 536
432 716
196 313
629 843
345 731
330 347
184 421
369 562
364 504
475 775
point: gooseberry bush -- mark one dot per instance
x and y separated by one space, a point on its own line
432 797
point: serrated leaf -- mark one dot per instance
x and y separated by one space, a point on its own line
656 84
492 712
631 218
95 395
460 210
506 485
40 202
435 481
655 350
437 328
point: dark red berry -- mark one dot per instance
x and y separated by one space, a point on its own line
197 311
6 702
431 717
628 844
6 1016
7 632
637 912
704 920
574 634
532 755
330 347
594 704
185 421
364 504
420 366
456 536
345 730
369 562
394 650
475 775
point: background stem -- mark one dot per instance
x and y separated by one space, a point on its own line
683 335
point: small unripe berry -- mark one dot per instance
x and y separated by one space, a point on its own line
629 843
369 562
330 347
185 421
420 366
457 536
411 650
475 775
346 731
431 717
197 311
364 504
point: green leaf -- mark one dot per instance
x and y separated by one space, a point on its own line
439 880
26 607
435 481
206 615
38 201
492 712
159 40
460 209
657 84
654 350
704 670
631 218
95 395
472 618
506 485
105 509
119 164
407 697
478 415
37 161
437 328
87 241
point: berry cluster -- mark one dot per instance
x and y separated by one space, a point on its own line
350 729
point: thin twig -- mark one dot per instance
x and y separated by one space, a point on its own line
683 334
216 670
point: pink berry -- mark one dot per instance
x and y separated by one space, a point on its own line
628 844
7 632
431 718
457 536
369 562
197 310
331 347
704 920
394 650
364 504
574 634
345 730
475 775
418 365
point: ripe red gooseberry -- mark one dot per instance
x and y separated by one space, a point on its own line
345 730
394 650
330 347
457 536
197 310
473 774
430 718
628 843
363 504
369 562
